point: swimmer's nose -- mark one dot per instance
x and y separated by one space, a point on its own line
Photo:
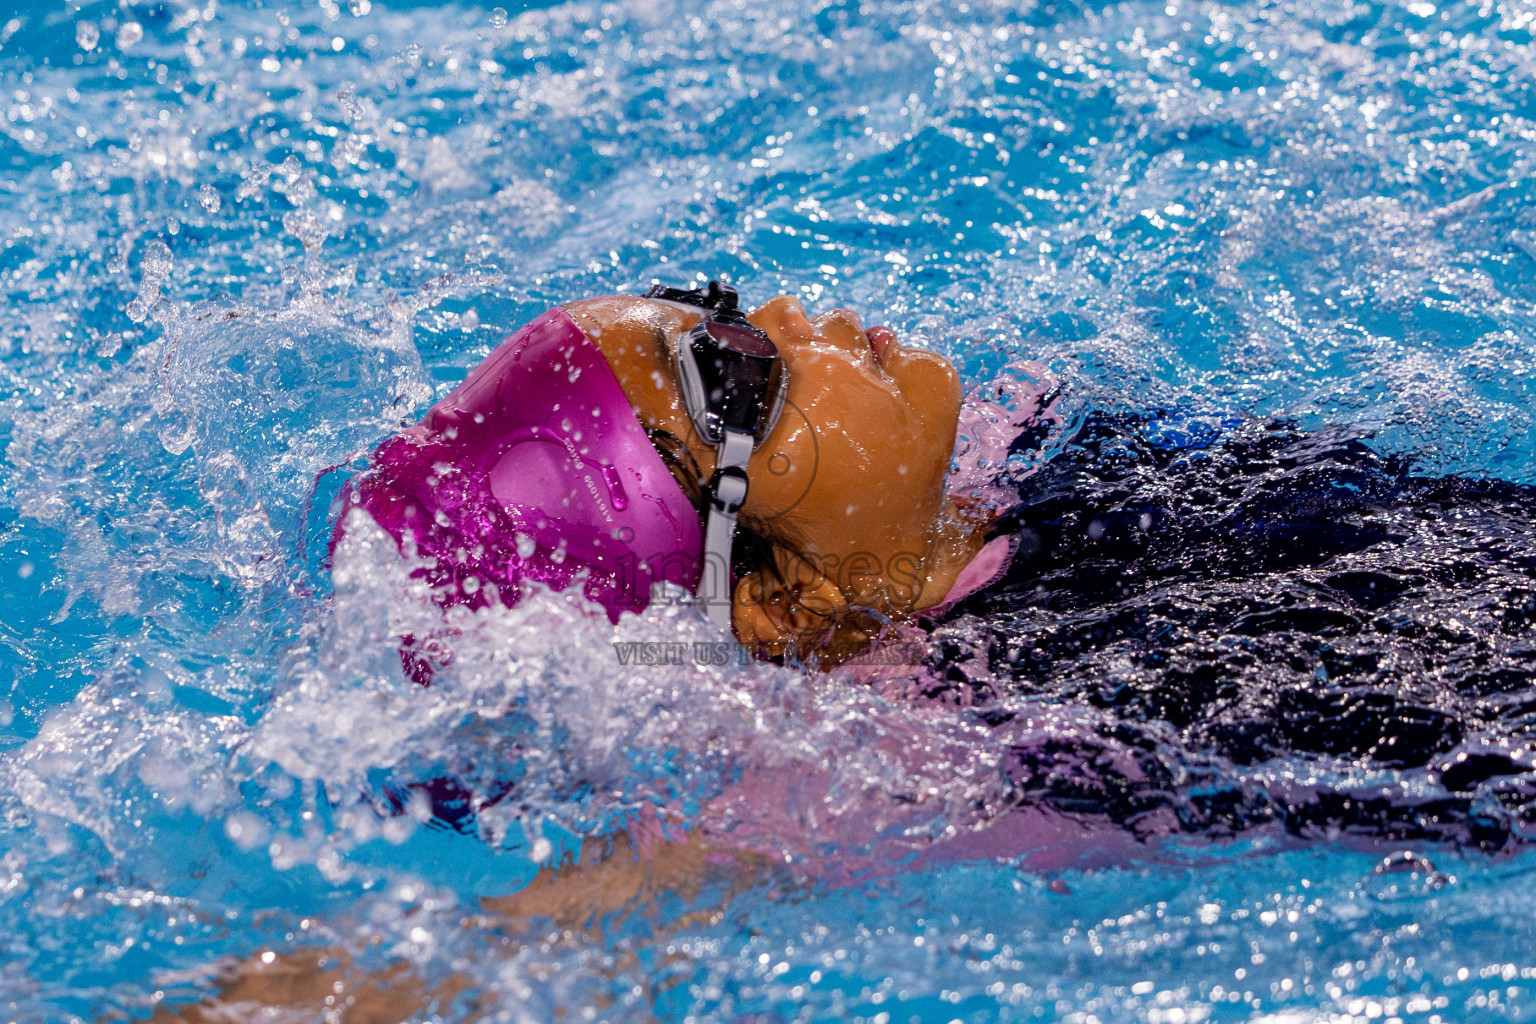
785 321
783 318
841 327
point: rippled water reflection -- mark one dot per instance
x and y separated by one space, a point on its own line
242 244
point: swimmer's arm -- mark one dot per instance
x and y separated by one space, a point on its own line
583 897
313 985
309 984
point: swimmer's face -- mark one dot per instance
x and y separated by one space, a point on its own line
856 464
849 485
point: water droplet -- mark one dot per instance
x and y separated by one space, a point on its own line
306 227
87 35
251 183
157 257
350 106
209 197
299 192
156 267
469 320
128 34
178 431
498 17
359 7
525 546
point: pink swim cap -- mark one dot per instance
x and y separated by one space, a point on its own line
535 468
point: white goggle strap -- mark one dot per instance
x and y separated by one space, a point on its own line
727 493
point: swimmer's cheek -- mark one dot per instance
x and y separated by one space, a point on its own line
906 582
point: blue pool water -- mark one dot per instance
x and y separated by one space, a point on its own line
240 244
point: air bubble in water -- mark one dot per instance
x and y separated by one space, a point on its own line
129 34
87 35
498 17
359 7
209 197
156 268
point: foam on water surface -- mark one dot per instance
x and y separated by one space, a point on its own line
241 245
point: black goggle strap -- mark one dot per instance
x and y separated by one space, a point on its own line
721 298
727 493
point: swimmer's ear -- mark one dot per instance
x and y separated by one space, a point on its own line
771 612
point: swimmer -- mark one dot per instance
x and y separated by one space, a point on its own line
673 438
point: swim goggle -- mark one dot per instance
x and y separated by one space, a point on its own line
733 383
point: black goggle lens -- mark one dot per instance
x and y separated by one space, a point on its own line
743 338
732 376
741 376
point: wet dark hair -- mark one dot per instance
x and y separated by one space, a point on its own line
679 460
1273 597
